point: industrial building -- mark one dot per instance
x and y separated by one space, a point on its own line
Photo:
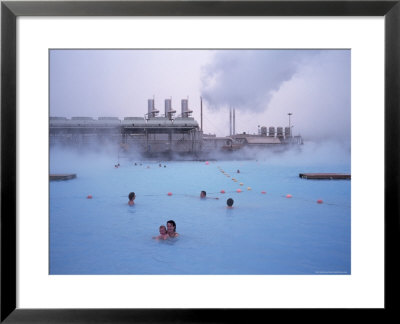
156 134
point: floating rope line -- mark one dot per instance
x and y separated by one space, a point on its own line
288 196
227 192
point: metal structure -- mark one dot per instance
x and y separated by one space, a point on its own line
166 134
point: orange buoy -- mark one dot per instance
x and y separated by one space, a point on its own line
89 197
238 190
222 191
319 201
288 196
206 162
263 192
169 193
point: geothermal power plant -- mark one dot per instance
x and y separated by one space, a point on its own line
162 134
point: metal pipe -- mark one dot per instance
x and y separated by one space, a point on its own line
234 130
201 113
230 121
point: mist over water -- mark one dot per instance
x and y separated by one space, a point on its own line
327 153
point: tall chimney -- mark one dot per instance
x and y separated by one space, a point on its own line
230 121
234 119
201 113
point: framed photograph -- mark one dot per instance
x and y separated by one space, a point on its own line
265 133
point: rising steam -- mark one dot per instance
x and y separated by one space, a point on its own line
314 85
247 79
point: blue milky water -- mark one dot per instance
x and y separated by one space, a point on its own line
262 234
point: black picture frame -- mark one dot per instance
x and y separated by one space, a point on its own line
10 10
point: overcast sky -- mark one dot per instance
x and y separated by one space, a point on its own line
262 85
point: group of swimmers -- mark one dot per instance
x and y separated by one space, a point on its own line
203 195
170 230
229 201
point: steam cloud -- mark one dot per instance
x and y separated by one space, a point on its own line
247 79
314 85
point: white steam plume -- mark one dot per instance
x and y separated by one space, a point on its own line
314 85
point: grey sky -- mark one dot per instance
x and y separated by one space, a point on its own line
262 85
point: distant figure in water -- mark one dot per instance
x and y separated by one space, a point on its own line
238 171
131 197
229 203
203 195
163 233
171 229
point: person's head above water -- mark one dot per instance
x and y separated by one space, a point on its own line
229 202
203 194
171 225
131 197
163 230
171 229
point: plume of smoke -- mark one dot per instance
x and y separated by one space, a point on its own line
247 79
313 85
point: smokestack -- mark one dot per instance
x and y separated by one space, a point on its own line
201 113
230 121
150 105
185 108
151 110
234 130
168 108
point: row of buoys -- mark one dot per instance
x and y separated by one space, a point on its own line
319 201
235 180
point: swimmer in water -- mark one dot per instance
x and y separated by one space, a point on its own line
131 197
203 195
171 229
229 203
163 233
